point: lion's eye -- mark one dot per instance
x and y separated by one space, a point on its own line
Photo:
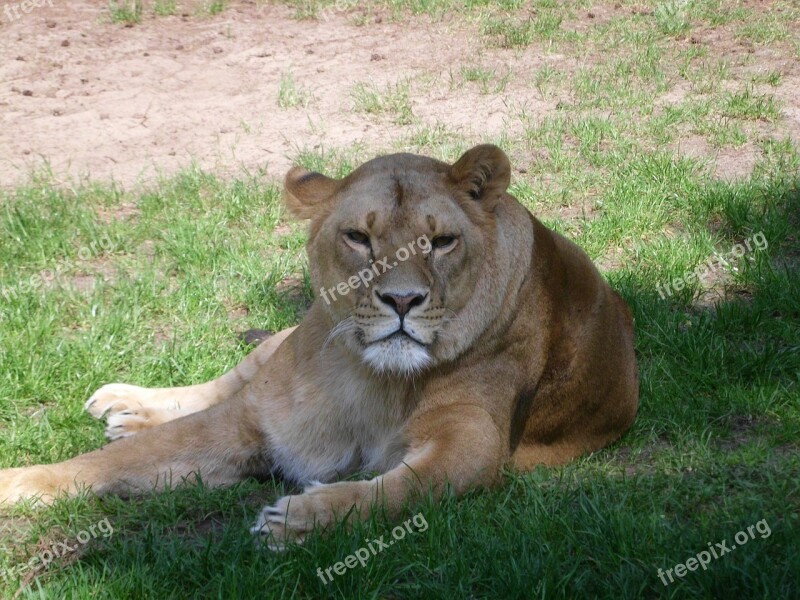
358 237
443 242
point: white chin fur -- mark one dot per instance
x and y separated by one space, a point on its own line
397 355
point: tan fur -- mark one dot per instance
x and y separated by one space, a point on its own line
515 352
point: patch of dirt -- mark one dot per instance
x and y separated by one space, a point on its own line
90 98
282 230
597 14
722 163
611 260
292 290
163 336
209 526
733 163
93 98
238 313
746 63
788 95
124 212
643 462
677 94
82 282
746 429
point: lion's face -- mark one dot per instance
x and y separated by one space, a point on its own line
395 251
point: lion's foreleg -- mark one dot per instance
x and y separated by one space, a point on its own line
460 447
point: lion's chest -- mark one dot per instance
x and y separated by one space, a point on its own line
352 427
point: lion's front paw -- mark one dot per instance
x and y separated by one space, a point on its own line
116 397
292 517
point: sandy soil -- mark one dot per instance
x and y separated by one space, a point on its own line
101 100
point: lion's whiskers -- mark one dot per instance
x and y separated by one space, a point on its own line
343 327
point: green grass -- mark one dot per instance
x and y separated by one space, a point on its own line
151 286
214 7
772 78
164 8
672 18
765 30
747 105
394 101
488 79
512 33
131 12
126 12
290 95
712 452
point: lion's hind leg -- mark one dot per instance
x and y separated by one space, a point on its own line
221 445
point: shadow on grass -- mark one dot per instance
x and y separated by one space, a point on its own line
708 366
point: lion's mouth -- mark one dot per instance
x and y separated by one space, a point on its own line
400 334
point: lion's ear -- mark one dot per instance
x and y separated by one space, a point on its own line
306 194
482 173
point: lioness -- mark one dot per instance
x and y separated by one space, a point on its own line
492 341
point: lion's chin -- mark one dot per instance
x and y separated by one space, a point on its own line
398 355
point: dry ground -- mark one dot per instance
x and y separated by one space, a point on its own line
93 97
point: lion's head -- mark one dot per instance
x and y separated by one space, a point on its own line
409 255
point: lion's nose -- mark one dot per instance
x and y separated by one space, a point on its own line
402 303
